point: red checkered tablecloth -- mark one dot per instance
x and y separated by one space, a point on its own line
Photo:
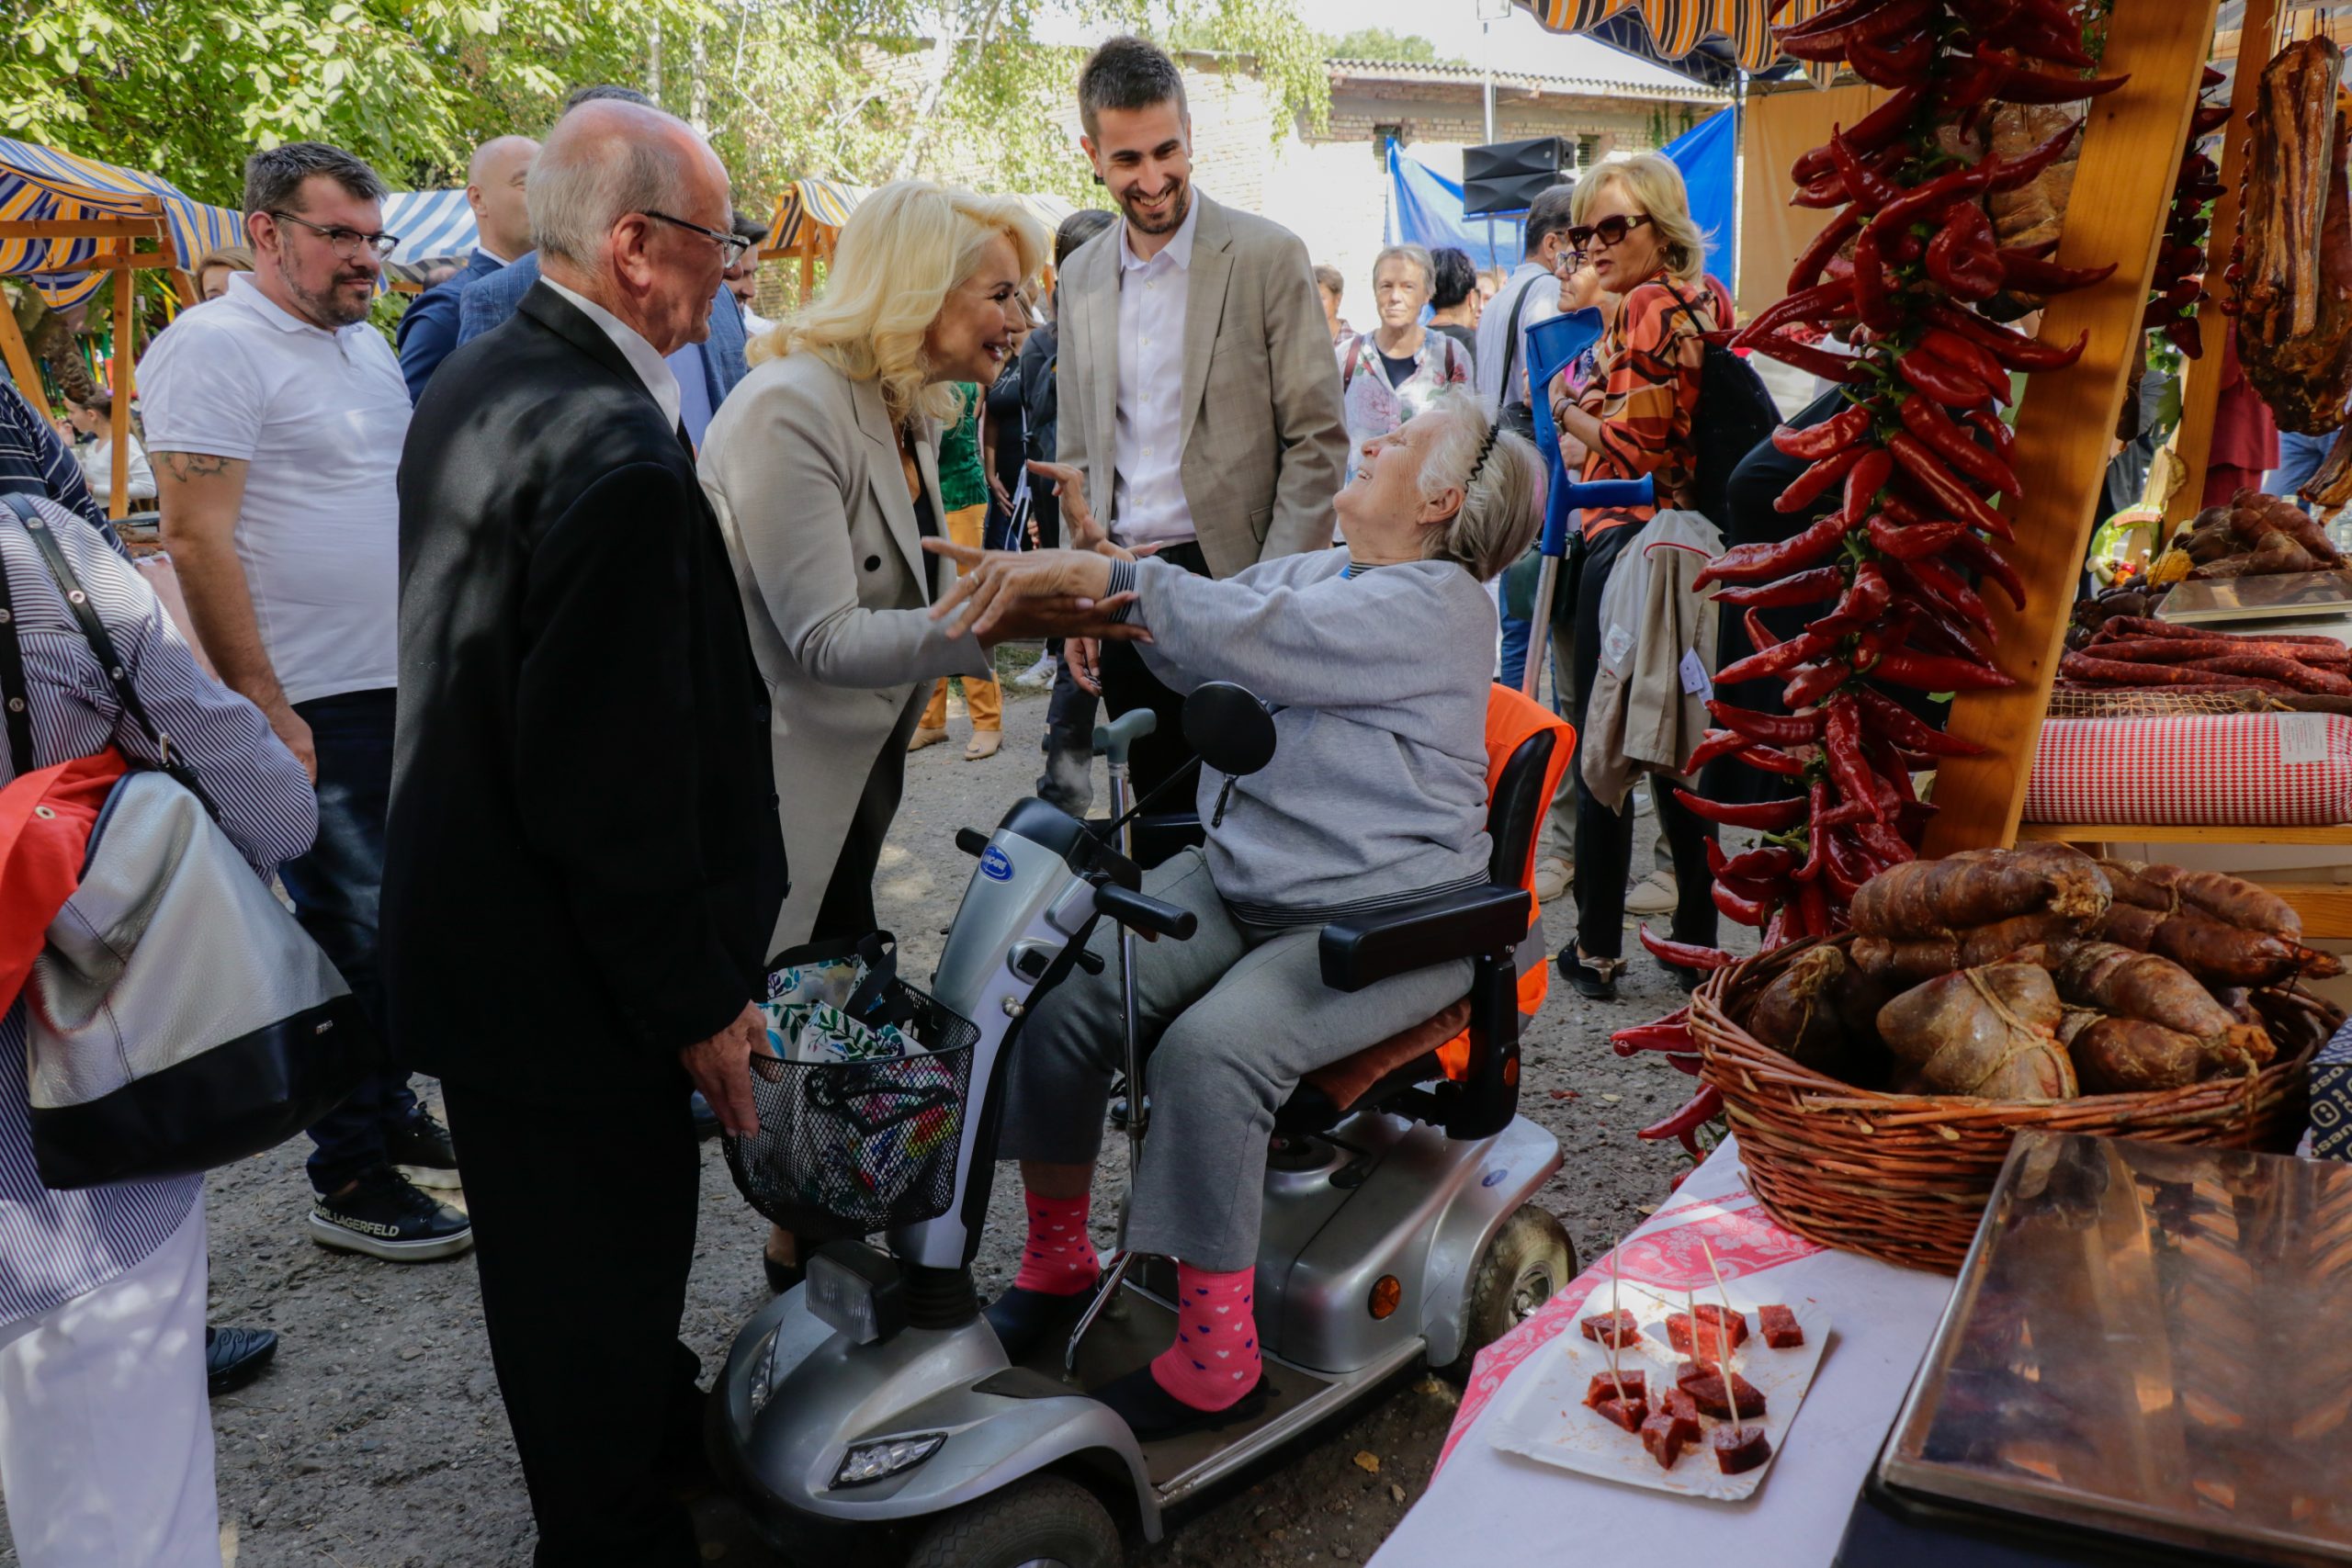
2243 769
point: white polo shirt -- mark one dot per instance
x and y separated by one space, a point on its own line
320 418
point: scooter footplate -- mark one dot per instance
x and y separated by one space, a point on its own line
1137 1329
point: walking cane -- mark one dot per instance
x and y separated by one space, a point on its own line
1552 346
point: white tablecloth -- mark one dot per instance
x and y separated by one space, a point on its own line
1499 1510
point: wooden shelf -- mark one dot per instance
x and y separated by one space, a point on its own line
2113 833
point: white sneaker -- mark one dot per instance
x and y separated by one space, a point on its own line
1038 674
1653 895
1552 877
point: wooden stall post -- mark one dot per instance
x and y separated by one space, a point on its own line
126 354
2200 390
2130 154
19 356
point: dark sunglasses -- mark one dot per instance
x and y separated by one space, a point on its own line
1610 232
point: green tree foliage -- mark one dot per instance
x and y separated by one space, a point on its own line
186 89
1379 43
864 90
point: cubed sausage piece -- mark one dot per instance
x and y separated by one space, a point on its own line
1627 1413
1615 1329
1616 1385
1665 1437
1739 1448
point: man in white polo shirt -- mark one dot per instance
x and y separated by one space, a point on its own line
276 417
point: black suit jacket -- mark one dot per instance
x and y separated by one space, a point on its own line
583 862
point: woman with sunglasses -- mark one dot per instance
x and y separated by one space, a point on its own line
1633 239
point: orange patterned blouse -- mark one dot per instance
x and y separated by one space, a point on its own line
1644 392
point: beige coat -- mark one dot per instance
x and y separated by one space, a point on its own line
802 468
1265 439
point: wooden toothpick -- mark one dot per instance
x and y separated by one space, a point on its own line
1723 1336
1616 1323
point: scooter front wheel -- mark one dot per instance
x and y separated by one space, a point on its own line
1529 1258
1045 1521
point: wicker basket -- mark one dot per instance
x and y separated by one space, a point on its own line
1906 1177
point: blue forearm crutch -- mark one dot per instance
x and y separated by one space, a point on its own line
1552 346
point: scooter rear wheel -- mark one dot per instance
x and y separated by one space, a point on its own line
1043 1522
1529 1258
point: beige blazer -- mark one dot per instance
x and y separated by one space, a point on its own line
802 468
1265 439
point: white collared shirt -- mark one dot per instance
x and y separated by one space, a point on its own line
319 418
1148 488
642 356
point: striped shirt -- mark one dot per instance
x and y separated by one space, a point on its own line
57 1246
35 458
1645 397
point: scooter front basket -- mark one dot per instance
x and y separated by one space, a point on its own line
854 1147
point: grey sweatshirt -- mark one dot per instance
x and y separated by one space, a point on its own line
1376 794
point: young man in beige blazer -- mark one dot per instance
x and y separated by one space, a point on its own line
1197 387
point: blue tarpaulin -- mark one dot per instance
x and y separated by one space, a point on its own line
1708 155
1425 208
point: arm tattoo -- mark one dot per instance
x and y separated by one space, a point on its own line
186 466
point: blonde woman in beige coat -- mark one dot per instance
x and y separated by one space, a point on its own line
822 467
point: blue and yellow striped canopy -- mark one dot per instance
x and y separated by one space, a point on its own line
1678 27
813 204
805 206
42 185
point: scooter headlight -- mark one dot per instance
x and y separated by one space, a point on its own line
763 1373
884 1457
856 1289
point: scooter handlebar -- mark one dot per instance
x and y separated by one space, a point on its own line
1113 739
1145 913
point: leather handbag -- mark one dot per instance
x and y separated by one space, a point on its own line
177 1017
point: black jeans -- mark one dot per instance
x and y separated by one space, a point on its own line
335 888
1129 684
1069 779
584 1209
1605 838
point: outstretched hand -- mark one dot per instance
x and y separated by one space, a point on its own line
1079 530
1000 595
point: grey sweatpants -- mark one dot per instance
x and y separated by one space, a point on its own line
1239 1014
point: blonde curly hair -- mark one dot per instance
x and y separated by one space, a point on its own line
906 248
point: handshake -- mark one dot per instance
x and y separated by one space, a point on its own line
1002 594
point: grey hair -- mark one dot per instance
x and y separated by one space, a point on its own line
274 175
580 188
1418 254
1501 477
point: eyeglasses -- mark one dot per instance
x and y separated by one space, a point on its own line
730 247
348 243
1610 232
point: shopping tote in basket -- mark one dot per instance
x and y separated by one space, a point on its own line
860 1097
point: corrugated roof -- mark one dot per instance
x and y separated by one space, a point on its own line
1529 81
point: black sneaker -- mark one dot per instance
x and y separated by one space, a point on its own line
234 1357
423 1153
386 1216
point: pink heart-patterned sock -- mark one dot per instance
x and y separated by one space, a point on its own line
1214 1359
1057 1259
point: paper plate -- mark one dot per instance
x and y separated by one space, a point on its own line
1544 1418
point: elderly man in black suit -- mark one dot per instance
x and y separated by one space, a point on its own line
583 862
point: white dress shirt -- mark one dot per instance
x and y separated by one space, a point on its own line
642 356
1148 488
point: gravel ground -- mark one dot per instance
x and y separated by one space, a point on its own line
378 1440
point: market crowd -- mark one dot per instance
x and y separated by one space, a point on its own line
538 662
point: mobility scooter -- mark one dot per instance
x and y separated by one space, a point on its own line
1399 1225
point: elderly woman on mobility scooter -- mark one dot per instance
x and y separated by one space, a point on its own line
1378 659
